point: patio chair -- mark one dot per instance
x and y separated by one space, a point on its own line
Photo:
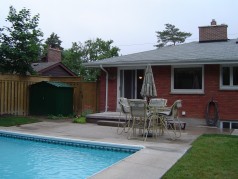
155 106
170 121
125 116
153 123
138 110
158 102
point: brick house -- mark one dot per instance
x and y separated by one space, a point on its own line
194 72
52 65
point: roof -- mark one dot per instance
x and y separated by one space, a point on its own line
55 84
188 53
59 84
47 66
43 65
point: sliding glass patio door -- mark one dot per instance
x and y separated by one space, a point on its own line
130 83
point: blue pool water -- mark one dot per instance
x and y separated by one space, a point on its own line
28 156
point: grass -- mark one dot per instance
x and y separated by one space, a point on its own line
56 117
211 156
16 120
59 117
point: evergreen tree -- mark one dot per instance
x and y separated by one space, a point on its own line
171 36
54 41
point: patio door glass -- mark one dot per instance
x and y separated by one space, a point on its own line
131 83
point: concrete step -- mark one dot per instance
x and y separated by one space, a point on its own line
110 116
110 123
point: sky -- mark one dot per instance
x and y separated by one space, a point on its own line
131 24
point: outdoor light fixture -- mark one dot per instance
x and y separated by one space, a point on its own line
140 77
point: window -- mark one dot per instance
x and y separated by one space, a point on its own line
187 79
229 77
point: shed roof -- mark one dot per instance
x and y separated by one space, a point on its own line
188 53
56 84
59 84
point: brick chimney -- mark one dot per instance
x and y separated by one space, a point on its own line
54 55
213 32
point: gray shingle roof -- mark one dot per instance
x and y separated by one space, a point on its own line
189 53
42 65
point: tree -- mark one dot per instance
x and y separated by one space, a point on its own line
72 58
19 43
171 35
91 50
99 49
54 41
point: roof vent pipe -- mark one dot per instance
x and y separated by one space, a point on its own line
106 103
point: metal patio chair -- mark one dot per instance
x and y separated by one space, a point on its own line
170 120
154 125
124 120
158 102
139 118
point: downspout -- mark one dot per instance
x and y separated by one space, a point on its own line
106 104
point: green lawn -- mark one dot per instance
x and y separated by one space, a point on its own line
211 156
15 120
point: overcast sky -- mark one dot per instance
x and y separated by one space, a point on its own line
131 24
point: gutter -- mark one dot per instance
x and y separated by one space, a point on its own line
106 104
166 62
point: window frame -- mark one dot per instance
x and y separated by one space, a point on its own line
231 86
186 91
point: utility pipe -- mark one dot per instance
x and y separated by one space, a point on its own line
106 104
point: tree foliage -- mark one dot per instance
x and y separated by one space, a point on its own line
19 43
171 36
99 49
54 41
72 58
90 50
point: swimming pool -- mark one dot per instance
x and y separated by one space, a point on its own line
33 156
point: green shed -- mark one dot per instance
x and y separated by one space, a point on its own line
50 98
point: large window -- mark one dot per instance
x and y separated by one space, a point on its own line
187 79
229 77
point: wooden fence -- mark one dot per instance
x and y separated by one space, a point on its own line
14 93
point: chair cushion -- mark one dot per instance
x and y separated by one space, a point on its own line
167 113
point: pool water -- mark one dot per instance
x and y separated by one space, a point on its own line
31 159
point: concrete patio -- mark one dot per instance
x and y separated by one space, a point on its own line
151 162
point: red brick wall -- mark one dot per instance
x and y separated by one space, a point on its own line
213 33
54 55
193 104
112 89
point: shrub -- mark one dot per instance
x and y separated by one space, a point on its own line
81 120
